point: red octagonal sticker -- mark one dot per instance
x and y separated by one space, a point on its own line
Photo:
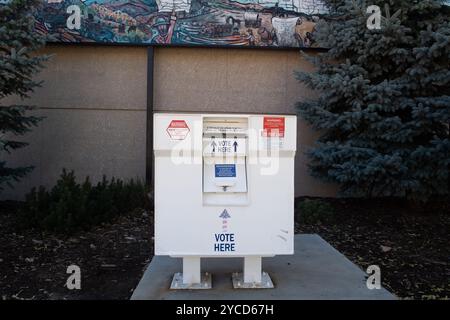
178 130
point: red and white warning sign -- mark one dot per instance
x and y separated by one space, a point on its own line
274 127
178 130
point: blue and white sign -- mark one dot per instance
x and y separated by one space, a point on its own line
225 171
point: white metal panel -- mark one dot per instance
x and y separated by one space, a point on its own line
259 222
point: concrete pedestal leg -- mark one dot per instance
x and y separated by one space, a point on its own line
191 277
252 269
253 277
191 270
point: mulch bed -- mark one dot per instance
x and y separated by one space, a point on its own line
410 246
111 257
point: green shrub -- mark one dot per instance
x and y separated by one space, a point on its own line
70 206
315 211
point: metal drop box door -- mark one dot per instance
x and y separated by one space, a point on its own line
224 184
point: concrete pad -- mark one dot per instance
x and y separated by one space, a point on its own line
315 271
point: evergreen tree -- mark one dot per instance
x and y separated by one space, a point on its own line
18 65
384 105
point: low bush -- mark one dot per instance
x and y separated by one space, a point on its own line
314 211
70 206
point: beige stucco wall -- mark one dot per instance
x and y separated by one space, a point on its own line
94 101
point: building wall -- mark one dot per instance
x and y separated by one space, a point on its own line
94 101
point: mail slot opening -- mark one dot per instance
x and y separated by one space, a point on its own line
225 155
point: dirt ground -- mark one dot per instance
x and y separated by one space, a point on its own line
111 257
410 246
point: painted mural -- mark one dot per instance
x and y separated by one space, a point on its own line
256 23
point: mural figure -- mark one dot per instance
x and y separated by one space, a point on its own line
163 30
285 31
256 23
251 37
